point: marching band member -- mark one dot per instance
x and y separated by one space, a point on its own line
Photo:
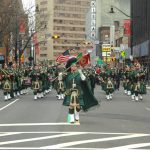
77 95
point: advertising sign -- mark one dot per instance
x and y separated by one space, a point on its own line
106 47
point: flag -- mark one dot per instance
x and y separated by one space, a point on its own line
67 52
84 60
79 56
65 56
100 62
62 58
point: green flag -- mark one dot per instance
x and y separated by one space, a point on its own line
100 62
79 56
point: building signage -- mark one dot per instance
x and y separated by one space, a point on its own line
2 57
106 47
93 19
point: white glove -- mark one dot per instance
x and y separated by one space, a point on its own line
82 75
80 71
60 74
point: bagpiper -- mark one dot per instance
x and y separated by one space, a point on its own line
6 83
77 95
59 84
139 86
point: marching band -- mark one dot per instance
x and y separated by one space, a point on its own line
73 84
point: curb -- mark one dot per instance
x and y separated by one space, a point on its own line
148 87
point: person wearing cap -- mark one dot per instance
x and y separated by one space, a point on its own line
77 95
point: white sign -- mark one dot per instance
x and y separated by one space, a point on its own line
104 54
117 49
97 42
106 45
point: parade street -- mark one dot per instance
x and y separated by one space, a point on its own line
118 124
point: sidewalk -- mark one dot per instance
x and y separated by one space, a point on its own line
148 87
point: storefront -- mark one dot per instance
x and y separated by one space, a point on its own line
2 60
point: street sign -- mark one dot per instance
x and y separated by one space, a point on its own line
97 42
108 54
106 47
107 59
123 54
116 49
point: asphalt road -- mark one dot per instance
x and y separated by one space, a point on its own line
119 124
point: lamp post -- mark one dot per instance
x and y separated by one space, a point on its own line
131 26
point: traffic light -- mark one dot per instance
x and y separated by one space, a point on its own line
56 36
112 48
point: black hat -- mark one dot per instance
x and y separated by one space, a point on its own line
70 62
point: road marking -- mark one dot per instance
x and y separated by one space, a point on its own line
19 148
47 149
147 108
139 145
66 134
7 134
40 138
70 132
35 124
62 145
8 105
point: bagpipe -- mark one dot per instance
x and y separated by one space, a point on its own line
6 80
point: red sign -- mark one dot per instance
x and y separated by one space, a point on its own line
22 25
127 27
36 44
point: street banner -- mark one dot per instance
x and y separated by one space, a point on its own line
22 25
36 44
127 27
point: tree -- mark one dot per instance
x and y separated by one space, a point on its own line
15 42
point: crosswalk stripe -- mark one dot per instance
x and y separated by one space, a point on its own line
51 132
20 148
58 146
16 148
34 124
139 145
7 134
40 138
8 105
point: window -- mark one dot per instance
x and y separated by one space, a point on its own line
43 55
43 3
43 48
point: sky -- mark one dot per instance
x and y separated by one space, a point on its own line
29 7
28 3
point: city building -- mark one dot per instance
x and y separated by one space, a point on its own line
140 15
111 24
60 25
